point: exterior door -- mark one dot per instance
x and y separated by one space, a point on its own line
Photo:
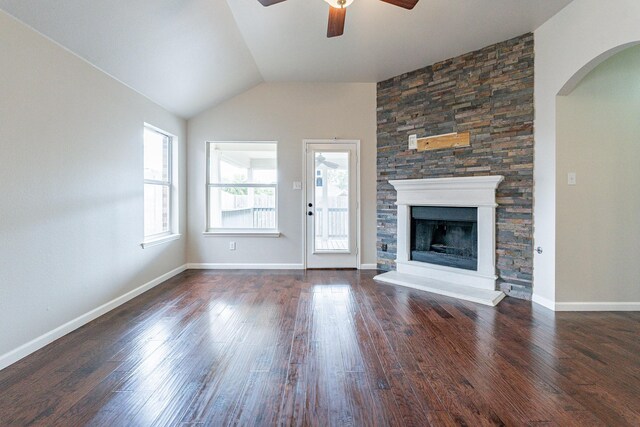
331 204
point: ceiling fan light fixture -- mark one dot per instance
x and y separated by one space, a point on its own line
339 4
338 12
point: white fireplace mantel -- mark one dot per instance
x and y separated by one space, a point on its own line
478 192
475 191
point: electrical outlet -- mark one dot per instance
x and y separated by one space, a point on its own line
297 185
232 246
571 178
413 142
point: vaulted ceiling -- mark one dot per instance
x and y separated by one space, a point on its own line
188 55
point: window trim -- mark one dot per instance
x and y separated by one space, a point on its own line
160 240
259 232
171 234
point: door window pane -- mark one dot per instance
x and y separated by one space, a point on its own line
331 207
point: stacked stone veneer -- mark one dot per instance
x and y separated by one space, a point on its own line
488 93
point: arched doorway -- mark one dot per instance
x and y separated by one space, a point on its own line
568 46
597 196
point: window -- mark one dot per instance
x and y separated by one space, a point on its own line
158 184
242 187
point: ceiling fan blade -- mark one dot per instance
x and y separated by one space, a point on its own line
269 2
331 165
407 4
322 160
336 21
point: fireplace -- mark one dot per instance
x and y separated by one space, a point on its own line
445 236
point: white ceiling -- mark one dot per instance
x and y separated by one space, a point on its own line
183 54
288 40
188 55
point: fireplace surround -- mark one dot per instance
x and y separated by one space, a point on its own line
447 237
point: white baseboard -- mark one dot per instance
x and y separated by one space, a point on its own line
598 306
242 266
546 303
585 306
47 338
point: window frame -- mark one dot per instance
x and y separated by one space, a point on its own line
171 234
211 231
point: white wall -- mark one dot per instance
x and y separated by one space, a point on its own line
598 220
287 113
71 210
567 46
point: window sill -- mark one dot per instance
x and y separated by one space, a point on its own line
248 233
159 240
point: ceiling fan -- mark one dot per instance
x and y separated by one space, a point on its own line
322 160
338 12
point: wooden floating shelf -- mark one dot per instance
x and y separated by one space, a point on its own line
450 140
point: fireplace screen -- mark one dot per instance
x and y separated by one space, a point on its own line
445 236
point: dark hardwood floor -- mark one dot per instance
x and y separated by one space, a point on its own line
328 348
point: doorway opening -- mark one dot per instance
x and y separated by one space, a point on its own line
332 225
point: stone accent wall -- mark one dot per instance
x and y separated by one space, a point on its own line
490 94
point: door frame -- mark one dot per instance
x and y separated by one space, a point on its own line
305 145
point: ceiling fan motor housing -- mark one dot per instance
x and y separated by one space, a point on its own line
339 4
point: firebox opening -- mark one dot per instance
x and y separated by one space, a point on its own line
445 236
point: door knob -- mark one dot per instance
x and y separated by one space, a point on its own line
310 205
310 213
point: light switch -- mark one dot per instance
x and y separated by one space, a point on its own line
297 185
413 142
571 178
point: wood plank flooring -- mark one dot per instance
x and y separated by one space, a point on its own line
322 348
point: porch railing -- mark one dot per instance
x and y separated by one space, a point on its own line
338 222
